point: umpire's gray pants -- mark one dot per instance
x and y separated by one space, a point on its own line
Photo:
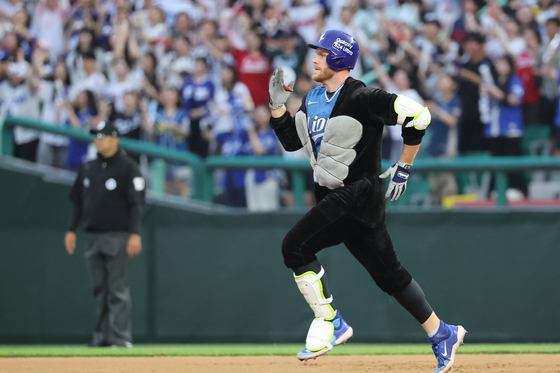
107 263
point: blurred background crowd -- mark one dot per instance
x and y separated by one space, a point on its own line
192 75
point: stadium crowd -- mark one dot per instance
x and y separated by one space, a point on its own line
192 75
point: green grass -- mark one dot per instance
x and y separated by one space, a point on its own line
262 350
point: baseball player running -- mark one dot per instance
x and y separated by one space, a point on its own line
340 126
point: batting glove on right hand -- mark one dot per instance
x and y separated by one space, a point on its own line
278 92
399 173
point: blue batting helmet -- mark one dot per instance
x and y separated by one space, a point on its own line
344 49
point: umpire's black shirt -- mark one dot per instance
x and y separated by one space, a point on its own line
108 195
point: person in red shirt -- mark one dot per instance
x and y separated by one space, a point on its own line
254 67
528 71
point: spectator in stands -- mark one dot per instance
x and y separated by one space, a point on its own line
198 97
81 115
10 7
290 51
546 10
52 95
234 143
132 120
19 98
21 23
527 68
121 43
156 34
254 67
233 101
504 126
123 82
178 63
307 18
446 111
235 104
549 87
526 18
11 47
171 130
506 40
150 81
86 44
471 128
83 15
48 21
40 62
182 26
554 75
202 43
261 186
93 80
468 21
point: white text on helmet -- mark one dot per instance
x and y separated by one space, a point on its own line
343 45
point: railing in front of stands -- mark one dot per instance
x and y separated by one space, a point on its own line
203 169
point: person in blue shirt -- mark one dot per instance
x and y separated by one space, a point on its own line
80 116
446 111
503 124
235 104
262 189
172 129
198 95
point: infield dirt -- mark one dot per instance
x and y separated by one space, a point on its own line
530 363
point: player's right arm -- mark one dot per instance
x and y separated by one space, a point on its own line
281 120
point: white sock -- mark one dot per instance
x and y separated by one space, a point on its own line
434 331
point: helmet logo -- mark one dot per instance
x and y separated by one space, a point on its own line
343 45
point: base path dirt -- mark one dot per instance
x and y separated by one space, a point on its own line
281 364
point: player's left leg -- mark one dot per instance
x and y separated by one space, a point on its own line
325 225
374 250
328 329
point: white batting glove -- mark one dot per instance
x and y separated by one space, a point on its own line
399 173
278 92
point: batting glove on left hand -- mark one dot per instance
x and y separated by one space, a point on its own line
278 92
399 173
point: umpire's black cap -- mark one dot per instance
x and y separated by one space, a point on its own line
105 129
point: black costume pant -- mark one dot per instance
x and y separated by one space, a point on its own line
107 262
329 224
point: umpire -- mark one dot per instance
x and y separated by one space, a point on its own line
108 196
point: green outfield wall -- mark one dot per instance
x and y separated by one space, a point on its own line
215 276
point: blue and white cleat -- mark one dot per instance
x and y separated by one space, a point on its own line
323 335
445 344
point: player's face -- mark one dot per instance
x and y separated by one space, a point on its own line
322 70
